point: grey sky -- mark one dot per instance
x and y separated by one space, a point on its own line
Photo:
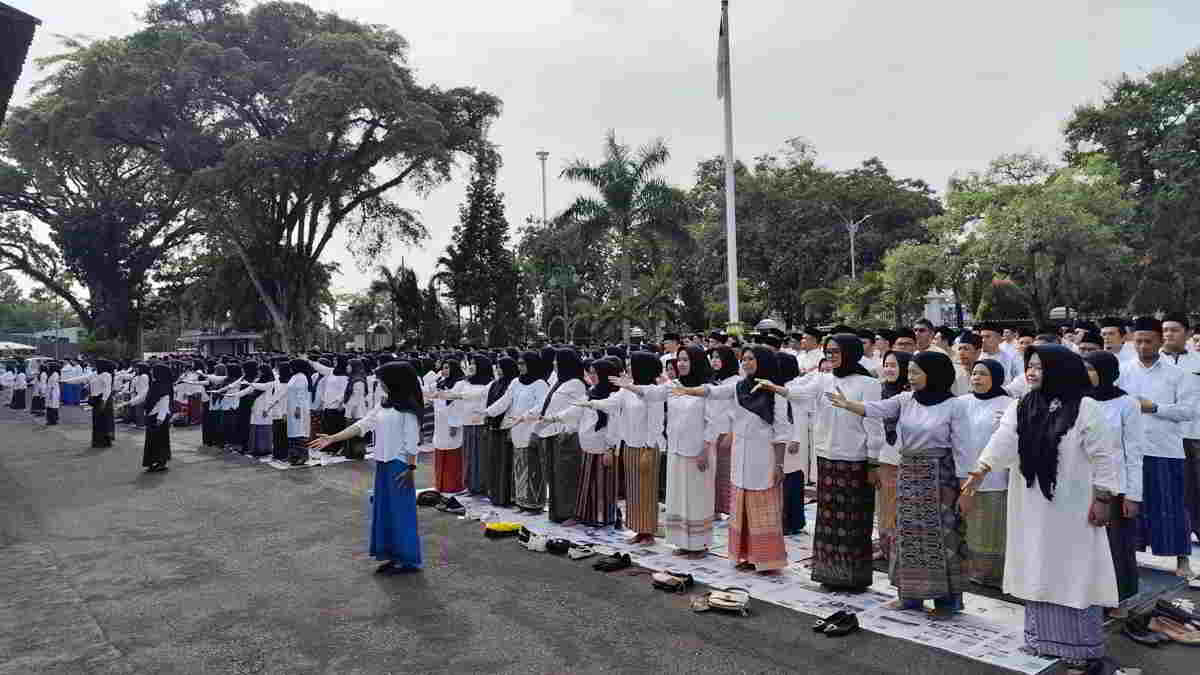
931 88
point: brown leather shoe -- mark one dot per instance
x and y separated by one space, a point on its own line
1175 630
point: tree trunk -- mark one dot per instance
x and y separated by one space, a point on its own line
278 318
626 280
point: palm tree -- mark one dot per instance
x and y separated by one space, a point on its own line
633 203
403 294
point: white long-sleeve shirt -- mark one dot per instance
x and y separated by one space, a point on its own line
838 434
1125 413
1174 392
752 458
397 434
925 427
686 417
982 419
1189 363
720 414
518 401
561 408
639 417
99 384
140 386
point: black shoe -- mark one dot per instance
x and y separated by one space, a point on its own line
613 563
847 625
820 625
452 505
383 569
1165 608
1142 635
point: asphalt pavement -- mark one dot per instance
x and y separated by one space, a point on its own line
224 565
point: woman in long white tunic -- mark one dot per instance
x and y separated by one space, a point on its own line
987 513
718 429
1059 495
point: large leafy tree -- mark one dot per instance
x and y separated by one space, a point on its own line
293 124
1051 231
113 211
634 205
1149 128
792 215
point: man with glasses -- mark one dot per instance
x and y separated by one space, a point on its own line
923 332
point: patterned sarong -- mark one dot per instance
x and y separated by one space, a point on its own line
930 552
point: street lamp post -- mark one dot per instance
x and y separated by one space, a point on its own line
543 156
853 228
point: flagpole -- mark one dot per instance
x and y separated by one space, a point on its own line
725 86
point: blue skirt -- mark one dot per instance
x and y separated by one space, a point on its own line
1163 522
394 533
71 394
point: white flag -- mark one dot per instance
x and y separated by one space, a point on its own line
723 51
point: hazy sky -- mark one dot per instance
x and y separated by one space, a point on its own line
931 88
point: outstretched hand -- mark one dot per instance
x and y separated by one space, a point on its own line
321 442
837 399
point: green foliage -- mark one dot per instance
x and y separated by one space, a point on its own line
634 207
1147 130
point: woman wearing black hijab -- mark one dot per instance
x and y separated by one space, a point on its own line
724 366
240 442
559 431
520 405
760 433
846 447
794 486
500 448
986 513
397 427
100 389
1057 557
447 430
1123 415
641 419
597 502
893 373
156 451
929 552
473 398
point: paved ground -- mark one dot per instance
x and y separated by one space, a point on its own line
225 566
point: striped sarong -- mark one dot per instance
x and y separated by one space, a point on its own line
529 486
641 489
756 529
1163 520
597 501
689 517
724 482
1065 632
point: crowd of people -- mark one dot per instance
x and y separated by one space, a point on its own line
1035 463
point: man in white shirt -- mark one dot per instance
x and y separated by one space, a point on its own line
1090 342
905 341
1168 398
991 341
1112 330
1177 332
810 353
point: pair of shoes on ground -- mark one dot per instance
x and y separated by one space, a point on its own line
452 505
613 563
838 624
